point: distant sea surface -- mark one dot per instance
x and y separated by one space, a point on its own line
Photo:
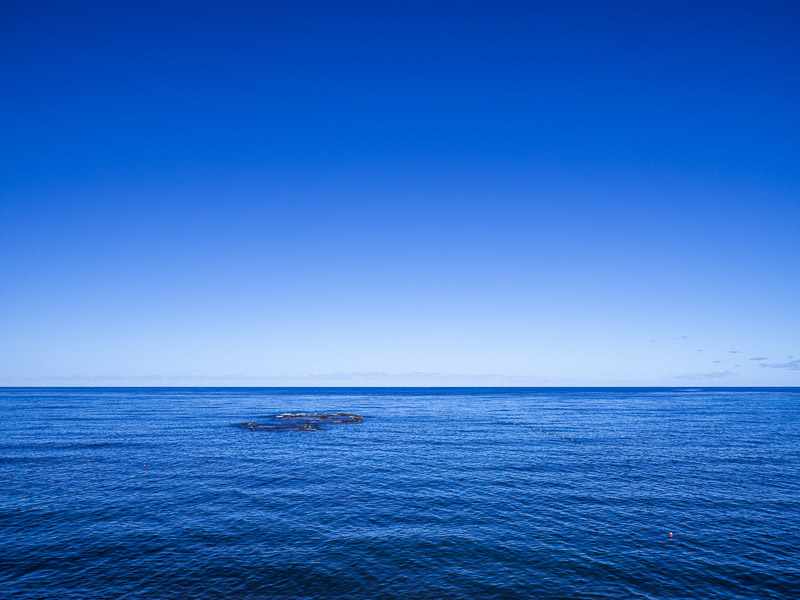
438 494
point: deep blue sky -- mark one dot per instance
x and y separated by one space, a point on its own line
544 193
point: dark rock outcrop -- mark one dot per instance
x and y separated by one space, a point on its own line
301 421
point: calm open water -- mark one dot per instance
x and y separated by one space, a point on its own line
431 497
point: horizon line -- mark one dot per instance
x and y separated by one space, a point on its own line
421 387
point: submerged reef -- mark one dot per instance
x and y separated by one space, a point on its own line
302 421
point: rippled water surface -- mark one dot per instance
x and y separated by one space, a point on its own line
438 493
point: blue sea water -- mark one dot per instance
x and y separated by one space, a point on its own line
438 494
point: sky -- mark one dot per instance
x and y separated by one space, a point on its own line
400 193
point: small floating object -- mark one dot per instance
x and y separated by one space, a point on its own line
670 534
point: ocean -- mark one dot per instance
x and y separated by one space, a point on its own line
440 493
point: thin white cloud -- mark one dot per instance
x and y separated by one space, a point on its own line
706 375
792 365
